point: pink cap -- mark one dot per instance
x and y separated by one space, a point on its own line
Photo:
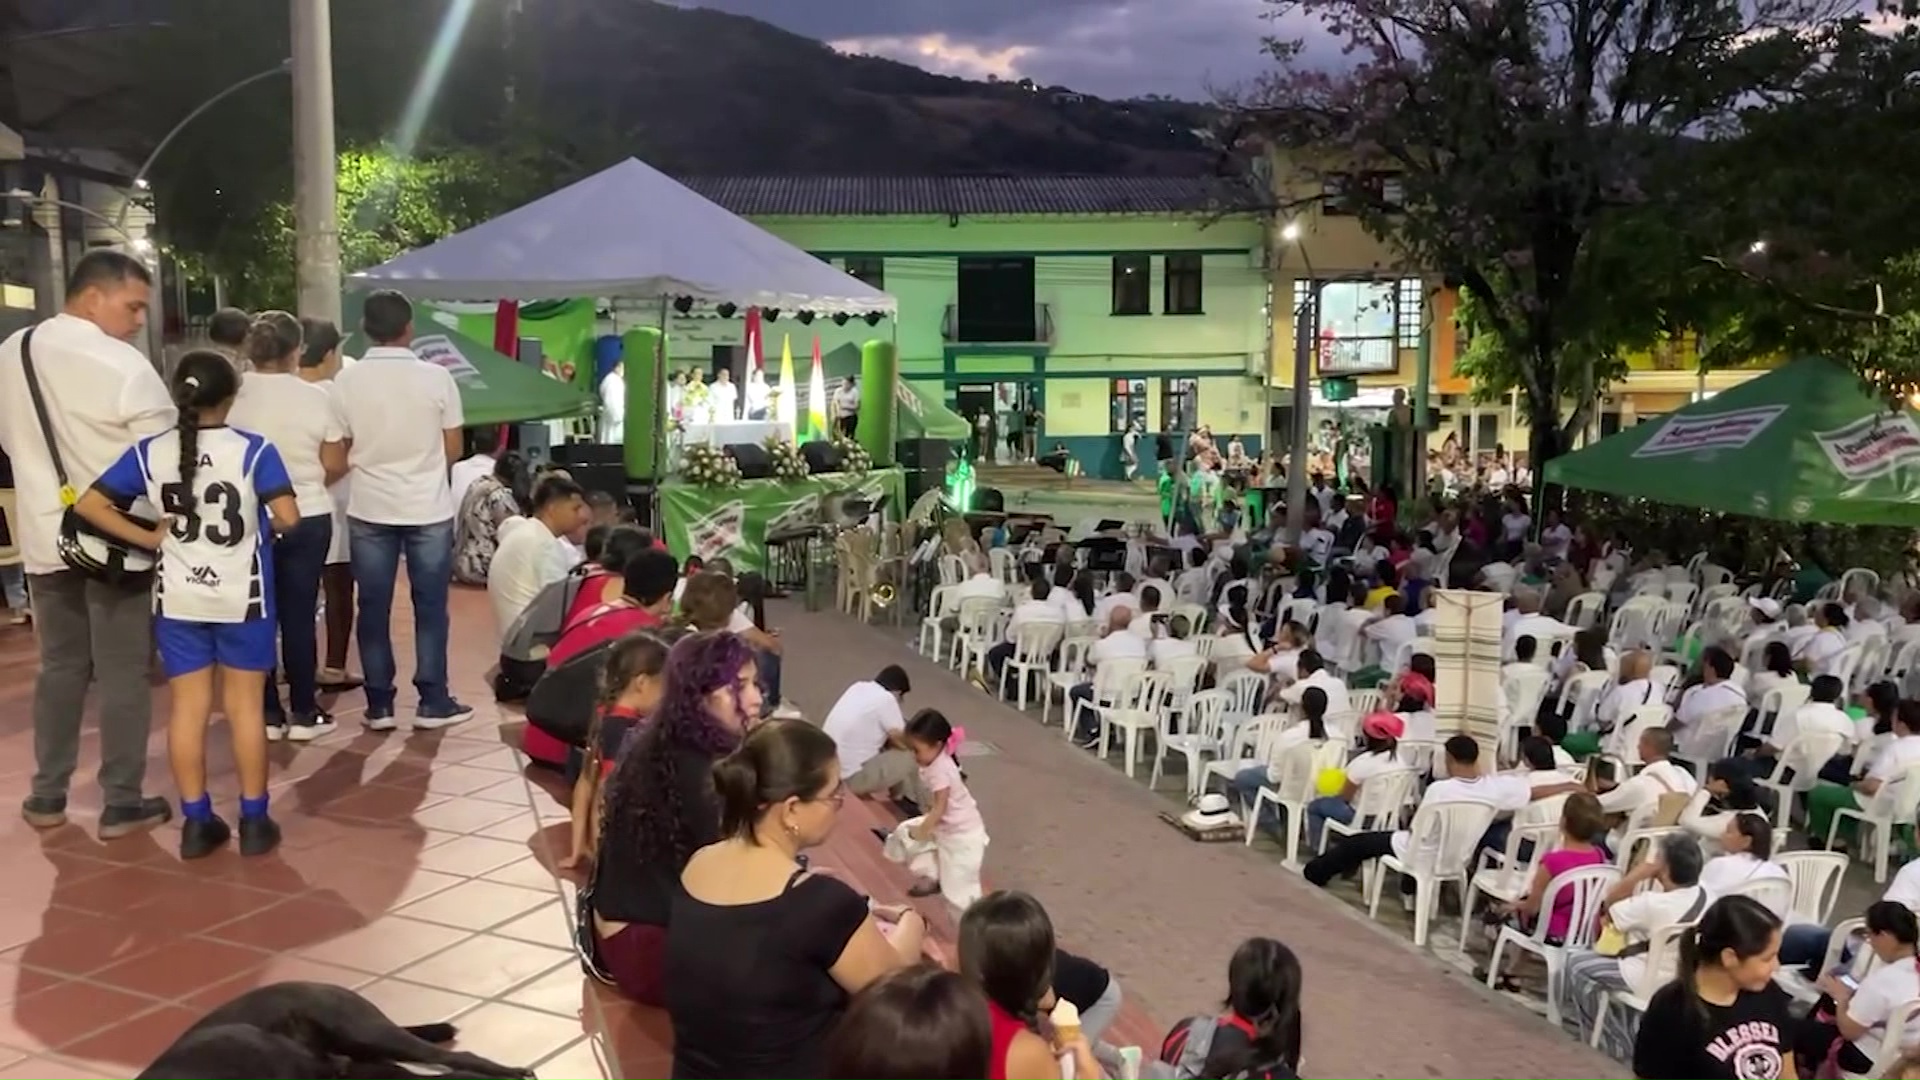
1383 725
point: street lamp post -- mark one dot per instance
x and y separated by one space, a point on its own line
1302 391
316 209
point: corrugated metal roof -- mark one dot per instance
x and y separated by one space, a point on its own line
880 196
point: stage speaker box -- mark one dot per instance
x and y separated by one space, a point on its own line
920 481
931 454
570 454
822 456
989 501
754 461
611 479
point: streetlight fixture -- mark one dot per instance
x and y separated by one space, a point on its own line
140 180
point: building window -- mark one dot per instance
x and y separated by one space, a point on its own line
1184 285
1179 404
1129 403
1336 194
1356 329
1388 189
1132 284
871 269
1412 315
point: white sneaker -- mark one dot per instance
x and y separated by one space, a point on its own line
307 732
276 732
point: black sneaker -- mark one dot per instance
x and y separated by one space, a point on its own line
378 718
201 837
44 811
258 835
309 727
118 821
447 714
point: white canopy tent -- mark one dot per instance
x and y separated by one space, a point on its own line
630 231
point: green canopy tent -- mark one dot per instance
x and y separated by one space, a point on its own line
494 389
1805 442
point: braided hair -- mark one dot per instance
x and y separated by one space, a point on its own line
203 380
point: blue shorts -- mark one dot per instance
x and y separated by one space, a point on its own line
187 647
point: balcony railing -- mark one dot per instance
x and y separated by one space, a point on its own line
968 328
1357 356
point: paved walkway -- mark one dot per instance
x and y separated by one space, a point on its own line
416 868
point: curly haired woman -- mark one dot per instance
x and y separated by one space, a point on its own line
661 805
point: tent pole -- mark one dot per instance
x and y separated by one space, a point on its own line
661 422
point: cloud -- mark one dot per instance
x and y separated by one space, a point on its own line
1114 48
942 54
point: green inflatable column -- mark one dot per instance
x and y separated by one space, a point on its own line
645 393
879 401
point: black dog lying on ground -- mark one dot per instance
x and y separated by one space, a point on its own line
314 1031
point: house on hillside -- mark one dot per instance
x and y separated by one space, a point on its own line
1100 301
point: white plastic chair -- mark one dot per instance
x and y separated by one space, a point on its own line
1033 645
1138 711
1890 807
1894 1042
1780 701
1662 965
1587 886
1440 842
1299 767
1712 738
1798 769
1579 696
1773 893
953 569
1251 745
1376 806
1110 680
940 605
1505 876
1816 877
1583 611
1363 702
974 634
1004 565
1183 678
1069 671
1803 990
1246 693
1524 691
1205 721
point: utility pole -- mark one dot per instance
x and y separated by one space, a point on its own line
316 208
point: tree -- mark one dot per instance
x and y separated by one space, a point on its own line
1538 144
388 204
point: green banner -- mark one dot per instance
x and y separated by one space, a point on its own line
733 522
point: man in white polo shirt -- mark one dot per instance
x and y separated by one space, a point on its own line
403 419
870 732
101 394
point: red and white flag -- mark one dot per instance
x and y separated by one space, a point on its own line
756 355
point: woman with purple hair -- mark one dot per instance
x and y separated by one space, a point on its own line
661 805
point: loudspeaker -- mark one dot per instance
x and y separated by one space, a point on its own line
599 476
579 453
754 461
822 456
923 454
920 481
989 501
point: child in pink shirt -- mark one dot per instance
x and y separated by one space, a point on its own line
944 847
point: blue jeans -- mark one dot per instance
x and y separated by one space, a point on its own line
298 559
1804 945
376 551
1322 810
13 579
1246 786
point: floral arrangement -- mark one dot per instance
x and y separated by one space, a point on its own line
854 458
788 462
708 466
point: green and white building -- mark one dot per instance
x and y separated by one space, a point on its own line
1099 300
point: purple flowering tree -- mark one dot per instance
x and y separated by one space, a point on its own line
1543 151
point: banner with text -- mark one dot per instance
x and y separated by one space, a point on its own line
733 523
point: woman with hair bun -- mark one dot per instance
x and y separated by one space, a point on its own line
1722 1018
298 418
661 807
761 956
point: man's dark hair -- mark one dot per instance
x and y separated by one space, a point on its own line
1827 689
893 677
228 327
385 316
1463 749
1308 662
321 337
483 440
1537 752
650 575
553 488
1718 660
100 269
1524 648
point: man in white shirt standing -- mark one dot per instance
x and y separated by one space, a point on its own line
846 408
403 420
870 733
613 410
726 397
533 552
759 396
476 466
101 395
1130 449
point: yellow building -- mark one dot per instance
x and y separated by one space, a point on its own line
1360 306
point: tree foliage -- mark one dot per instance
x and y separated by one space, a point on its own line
388 204
1541 147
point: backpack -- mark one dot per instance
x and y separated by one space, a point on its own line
1188 1045
524 647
